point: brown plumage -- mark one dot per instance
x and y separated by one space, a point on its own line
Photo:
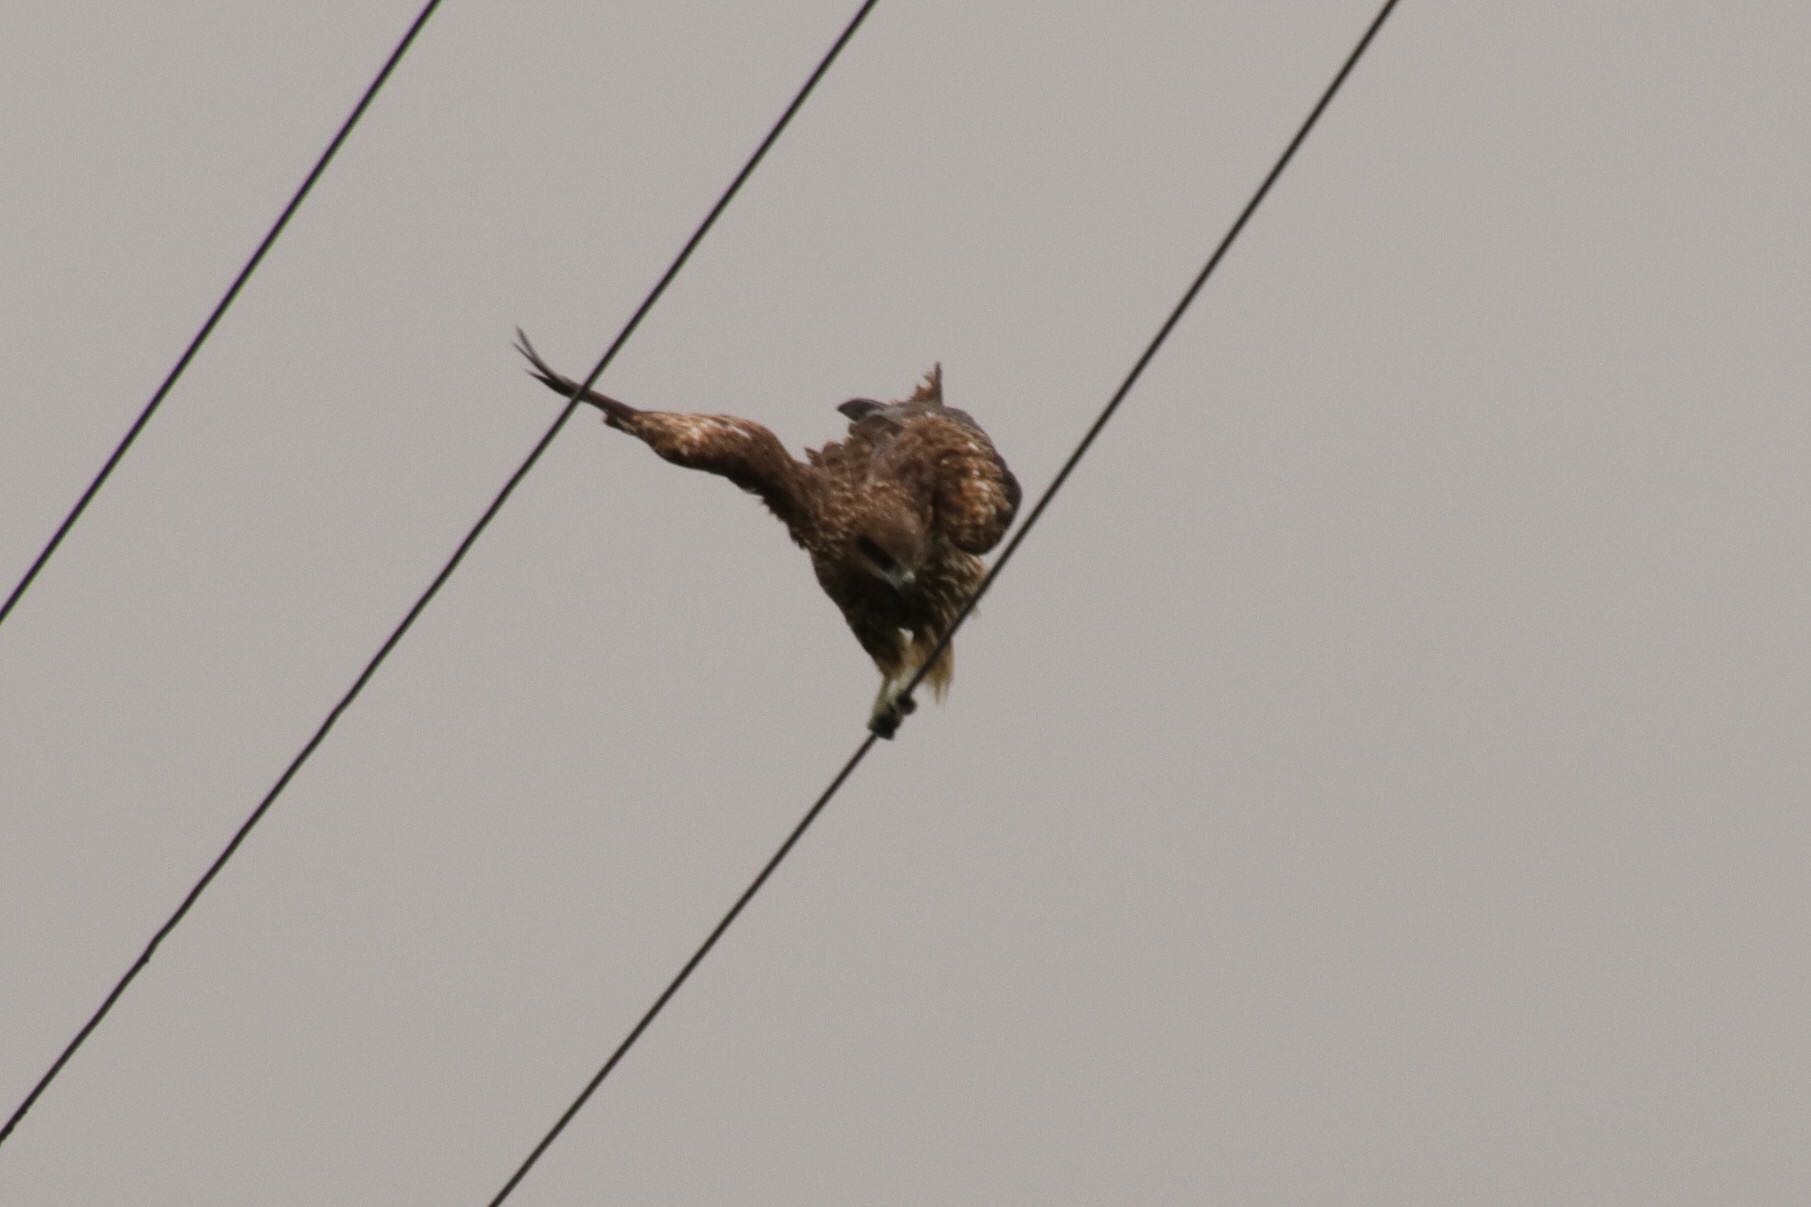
894 515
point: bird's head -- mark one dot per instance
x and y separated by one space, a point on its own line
890 544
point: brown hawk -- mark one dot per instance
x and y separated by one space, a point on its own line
894 515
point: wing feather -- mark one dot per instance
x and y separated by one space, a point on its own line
741 450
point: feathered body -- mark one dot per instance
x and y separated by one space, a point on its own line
894 516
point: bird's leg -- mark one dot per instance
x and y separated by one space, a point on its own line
890 708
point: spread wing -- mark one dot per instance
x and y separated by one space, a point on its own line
741 450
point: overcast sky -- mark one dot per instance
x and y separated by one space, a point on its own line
1381 778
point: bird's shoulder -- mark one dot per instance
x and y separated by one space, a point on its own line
889 434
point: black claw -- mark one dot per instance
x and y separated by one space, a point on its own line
906 706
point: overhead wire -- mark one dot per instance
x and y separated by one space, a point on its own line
452 563
213 319
1031 519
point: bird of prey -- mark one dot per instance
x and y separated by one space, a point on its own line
894 515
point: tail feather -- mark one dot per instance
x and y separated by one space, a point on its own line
942 671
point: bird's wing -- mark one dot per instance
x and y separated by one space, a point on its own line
559 383
741 450
973 496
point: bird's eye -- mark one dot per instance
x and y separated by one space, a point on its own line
874 553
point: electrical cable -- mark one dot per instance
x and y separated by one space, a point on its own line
446 571
207 328
1037 511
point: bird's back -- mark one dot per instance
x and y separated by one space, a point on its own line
935 456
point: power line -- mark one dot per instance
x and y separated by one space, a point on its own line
710 941
207 328
1056 484
452 563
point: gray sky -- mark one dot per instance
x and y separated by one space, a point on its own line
1382 778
